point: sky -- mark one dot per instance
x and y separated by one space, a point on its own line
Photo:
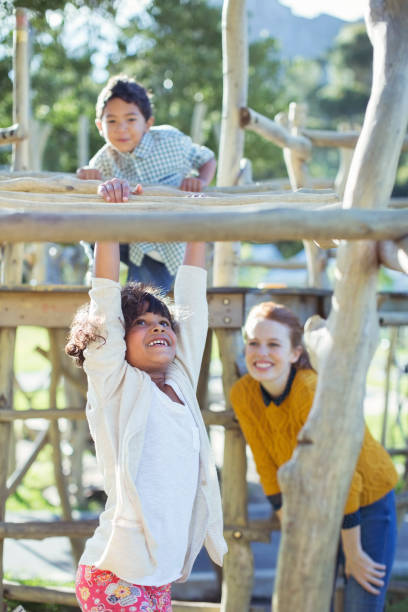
349 10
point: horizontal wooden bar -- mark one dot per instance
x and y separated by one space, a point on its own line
255 531
33 594
45 306
51 414
278 264
225 418
275 132
67 597
54 306
39 530
393 319
394 452
330 138
11 134
258 222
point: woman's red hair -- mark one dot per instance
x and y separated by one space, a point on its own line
284 316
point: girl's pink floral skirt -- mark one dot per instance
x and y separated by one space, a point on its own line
102 591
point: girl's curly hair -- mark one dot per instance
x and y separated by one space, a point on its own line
136 299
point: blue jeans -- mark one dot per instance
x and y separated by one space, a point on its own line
151 271
378 540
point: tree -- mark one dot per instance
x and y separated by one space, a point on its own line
174 49
62 87
41 6
349 65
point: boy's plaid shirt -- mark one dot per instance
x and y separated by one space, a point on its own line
165 156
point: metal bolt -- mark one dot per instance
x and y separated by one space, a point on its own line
237 535
227 320
226 301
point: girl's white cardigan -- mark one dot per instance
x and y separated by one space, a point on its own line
119 400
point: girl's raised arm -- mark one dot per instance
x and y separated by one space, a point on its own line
195 254
107 259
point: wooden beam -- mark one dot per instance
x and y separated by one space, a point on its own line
16 478
344 140
51 414
77 202
33 594
11 134
67 597
311 483
39 530
394 254
277 133
253 222
54 306
44 306
393 319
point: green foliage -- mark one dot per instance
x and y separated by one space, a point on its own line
265 92
6 99
174 50
41 6
346 95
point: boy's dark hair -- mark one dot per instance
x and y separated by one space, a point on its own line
127 89
136 298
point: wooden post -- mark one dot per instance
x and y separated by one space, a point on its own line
55 337
83 140
346 155
235 85
238 568
39 134
75 387
21 89
393 331
11 270
295 161
197 120
310 481
238 564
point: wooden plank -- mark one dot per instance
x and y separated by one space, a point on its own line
33 594
225 310
54 306
67 597
255 222
39 530
305 302
51 414
43 306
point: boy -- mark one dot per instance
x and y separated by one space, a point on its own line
140 153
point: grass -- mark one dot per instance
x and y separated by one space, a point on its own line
32 373
29 495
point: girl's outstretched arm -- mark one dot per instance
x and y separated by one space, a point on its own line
107 259
106 263
195 254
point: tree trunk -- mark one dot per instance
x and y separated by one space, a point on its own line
235 86
311 484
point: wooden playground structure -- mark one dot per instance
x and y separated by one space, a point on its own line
369 229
